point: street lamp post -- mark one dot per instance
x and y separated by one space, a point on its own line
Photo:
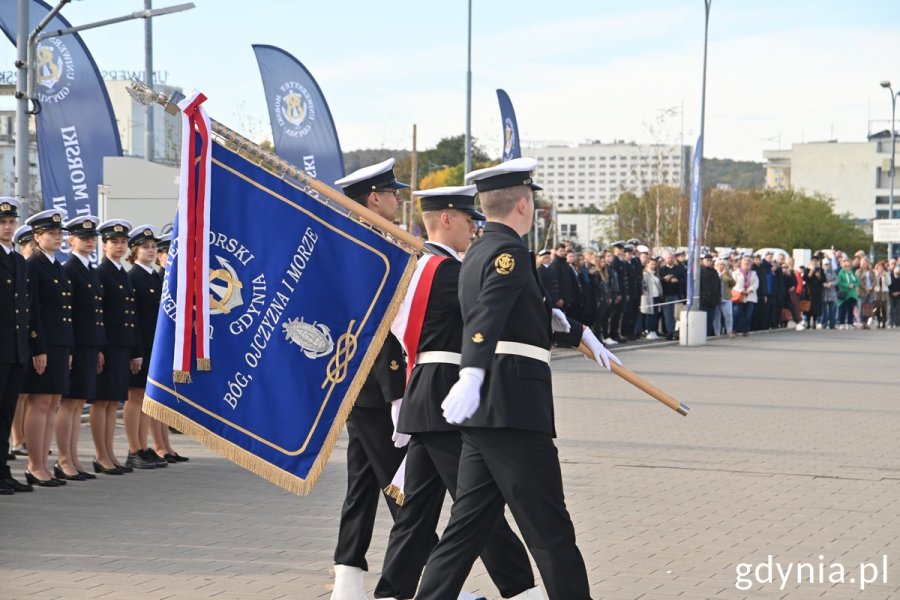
468 153
887 85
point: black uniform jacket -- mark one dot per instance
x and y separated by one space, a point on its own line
119 313
50 297
87 303
502 300
147 292
14 309
441 331
387 379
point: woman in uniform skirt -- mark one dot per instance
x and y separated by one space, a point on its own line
147 286
87 324
51 338
121 354
24 239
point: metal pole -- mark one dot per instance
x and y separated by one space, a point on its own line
148 81
413 184
698 237
893 154
22 135
468 164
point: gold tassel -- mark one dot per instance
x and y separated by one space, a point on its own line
204 364
181 377
396 493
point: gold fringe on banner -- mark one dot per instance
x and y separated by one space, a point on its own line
181 377
396 493
261 467
204 364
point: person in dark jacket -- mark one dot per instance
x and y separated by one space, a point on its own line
710 291
673 277
814 291
52 338
122 351
87 325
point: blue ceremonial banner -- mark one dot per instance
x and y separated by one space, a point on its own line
511 147
694 220
76 126
301 298
302 128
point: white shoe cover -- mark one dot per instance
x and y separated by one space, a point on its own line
348 583
534 593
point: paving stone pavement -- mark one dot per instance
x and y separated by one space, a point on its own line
791 450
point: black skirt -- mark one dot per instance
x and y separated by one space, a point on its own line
55 378
139 380
83 377
112 385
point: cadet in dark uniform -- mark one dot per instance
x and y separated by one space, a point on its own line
14 351
50 298
122 352
24 239
504 400
372 458
435 325
87 324
147 286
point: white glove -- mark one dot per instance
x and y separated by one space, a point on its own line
559 322
399 439
601 354
463 398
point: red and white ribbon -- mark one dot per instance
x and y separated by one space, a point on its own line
192 307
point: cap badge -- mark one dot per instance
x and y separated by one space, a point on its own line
6 206
505 263
148 233
394 365
57 218
477 338
88 225
118 228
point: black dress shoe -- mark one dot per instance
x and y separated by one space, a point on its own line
178 457
15 485
59 481
40 482
138 460
87 475
151 456
58 473
99 468
20 450
125 468
5 490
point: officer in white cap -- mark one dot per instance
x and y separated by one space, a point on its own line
503 400
14 351
430 324
372 457
24 238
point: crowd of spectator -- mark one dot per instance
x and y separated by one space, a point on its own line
628 292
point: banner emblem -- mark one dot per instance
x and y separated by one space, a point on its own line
54 61
224 297
314 339
509 136
294 109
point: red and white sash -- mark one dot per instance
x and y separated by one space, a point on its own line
192 307
407 325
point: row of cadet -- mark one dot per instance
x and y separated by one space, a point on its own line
76 333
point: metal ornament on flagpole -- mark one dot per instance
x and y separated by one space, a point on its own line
145 96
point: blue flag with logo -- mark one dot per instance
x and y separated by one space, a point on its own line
694 220
76 126
511 147
301 299
302 128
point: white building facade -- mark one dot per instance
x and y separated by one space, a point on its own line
594 175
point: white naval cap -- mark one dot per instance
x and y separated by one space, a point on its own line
459 197
9 207
642 249
114 228
164 242
84 226
51 218
23 234
511 173
141 234
371 178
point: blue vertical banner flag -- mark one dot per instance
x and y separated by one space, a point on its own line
511 148
302 128
694 220
76 126
301 299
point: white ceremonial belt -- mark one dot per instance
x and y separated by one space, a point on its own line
436 356
527 350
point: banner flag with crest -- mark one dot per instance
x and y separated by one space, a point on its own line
303 130
301 297
511 148
694 220
76 126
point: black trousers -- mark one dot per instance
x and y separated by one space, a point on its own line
521 469
432 467
12 377
372 461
